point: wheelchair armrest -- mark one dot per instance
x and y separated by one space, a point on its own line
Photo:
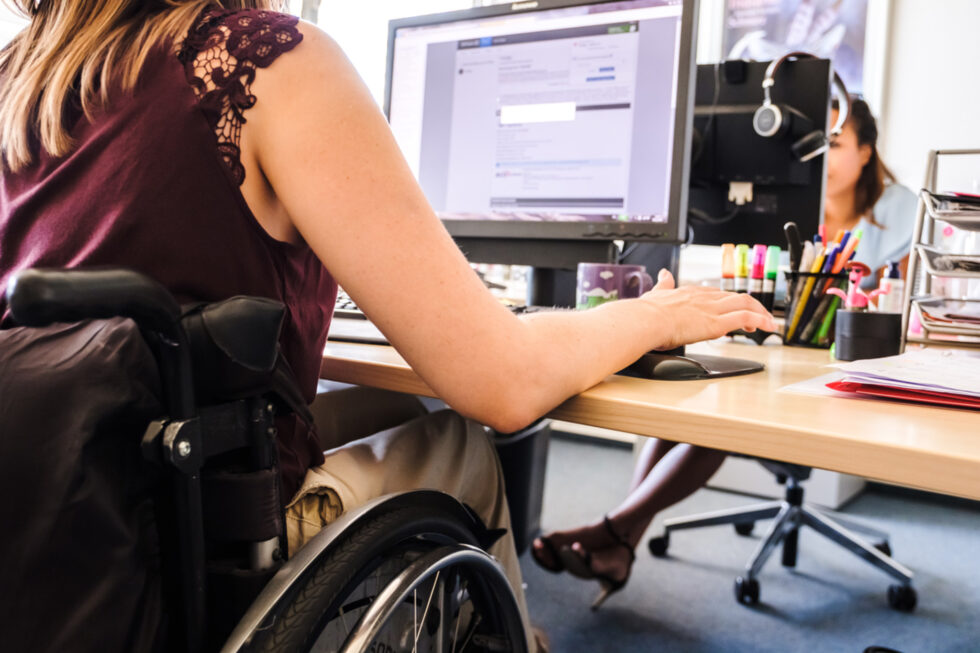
38 297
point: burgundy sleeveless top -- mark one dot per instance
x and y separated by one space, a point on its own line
153 184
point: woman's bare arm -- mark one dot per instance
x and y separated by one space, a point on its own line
332 164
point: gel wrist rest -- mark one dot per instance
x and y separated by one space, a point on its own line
670 367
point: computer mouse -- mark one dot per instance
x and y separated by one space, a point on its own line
657 365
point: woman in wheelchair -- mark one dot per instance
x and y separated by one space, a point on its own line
223 149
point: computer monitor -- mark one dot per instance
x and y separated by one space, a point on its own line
726 149
543 131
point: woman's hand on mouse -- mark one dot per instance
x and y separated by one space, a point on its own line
694 313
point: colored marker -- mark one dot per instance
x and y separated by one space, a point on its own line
728 267
845 240
769 282
741 268
758 271
848 251
822 233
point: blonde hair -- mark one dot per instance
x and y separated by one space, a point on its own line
73 51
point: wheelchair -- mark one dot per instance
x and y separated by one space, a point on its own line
406 572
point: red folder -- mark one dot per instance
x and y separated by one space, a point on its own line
905 394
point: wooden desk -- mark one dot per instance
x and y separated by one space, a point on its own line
935 449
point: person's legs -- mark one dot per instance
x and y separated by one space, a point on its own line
681 472
653 450
545 549
356 412
666 473
441 451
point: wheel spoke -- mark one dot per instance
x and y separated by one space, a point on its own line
435 584
459 611
343 619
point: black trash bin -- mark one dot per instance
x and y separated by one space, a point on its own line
523 456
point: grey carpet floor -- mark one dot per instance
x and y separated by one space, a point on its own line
831 602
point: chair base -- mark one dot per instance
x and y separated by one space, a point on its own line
788 516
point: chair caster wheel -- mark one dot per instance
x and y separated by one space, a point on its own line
745 527
885 548
658 545
747 590
902 597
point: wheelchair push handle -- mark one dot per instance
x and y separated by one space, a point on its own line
39 297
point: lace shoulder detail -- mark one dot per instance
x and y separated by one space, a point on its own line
220 55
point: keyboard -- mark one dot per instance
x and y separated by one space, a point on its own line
345 307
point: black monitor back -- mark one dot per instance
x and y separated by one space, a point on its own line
726 148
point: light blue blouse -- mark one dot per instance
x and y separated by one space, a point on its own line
895 211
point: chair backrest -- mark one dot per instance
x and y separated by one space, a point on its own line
209 382
81 566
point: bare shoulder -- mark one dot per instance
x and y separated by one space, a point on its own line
316 55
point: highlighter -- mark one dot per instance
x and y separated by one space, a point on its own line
741 268
769 282
728 267
758 271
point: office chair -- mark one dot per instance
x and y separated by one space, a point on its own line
788 516
175 541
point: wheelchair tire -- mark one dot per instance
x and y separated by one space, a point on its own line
324 610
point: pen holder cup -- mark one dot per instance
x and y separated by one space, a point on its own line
861 334
810 311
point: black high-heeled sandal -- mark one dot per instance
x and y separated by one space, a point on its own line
581 566
557 566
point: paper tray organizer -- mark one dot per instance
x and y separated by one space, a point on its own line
926 260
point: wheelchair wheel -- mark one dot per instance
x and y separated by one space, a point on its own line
407 580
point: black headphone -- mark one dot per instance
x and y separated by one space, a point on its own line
775 120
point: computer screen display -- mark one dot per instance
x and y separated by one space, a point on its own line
548 119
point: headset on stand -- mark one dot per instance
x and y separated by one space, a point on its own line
775 120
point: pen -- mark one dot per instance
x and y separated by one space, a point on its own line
728 267
769 283
825 311
813 290
822 234
758 271
804 293
741 268
815 299
809 251
794 290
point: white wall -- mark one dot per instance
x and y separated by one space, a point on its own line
10 24
361 29
932 88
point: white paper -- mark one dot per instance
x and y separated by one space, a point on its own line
943 370
817 386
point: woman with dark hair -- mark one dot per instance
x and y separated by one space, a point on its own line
861 192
